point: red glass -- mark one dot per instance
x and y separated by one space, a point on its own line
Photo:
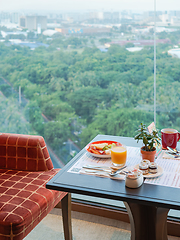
170 137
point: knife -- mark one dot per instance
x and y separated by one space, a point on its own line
172 151
105 169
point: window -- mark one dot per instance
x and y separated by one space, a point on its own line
70 72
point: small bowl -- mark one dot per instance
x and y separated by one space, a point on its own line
134 179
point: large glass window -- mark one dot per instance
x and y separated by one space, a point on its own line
72 70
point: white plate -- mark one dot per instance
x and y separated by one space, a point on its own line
99 155
152 175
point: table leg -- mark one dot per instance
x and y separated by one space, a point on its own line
147 222
66 215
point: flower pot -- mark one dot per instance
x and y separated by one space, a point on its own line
149 155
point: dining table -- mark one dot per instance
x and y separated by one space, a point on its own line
147 205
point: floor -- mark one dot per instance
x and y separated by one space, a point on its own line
84 226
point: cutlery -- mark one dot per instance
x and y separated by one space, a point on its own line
101 167
97 169
103 174
173 155
113 173
173 151
97 173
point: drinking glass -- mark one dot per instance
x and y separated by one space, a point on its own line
119 155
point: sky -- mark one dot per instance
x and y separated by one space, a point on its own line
88 5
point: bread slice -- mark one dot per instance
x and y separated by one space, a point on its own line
99 146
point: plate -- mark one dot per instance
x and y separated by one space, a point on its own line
153 175
101 155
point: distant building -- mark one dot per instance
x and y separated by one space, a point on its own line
94 15
108 17
149 14
100 15
139 42
30 23
115 16
111 16
85 31
74 17
53 25
165 18
4 16
103 49
33 22
22 22
134 49
54 18
14 17
49 32
17 33
175 21
39 28
174 13
174 52
31 45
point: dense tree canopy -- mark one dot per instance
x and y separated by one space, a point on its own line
79 94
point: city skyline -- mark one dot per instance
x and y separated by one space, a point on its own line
93 5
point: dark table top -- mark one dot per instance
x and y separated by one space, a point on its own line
147 194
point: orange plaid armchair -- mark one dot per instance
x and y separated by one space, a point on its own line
25 168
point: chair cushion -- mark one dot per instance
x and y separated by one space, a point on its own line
24 201
24 152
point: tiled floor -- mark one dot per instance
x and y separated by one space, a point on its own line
84 226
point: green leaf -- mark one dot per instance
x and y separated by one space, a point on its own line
145 141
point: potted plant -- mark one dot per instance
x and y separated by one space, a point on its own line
148 151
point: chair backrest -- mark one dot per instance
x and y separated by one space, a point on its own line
24 152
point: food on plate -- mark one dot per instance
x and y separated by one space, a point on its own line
99 146
153 168
143 166
148 167
102 148
146 161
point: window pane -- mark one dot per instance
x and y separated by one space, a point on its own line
69 72
73 73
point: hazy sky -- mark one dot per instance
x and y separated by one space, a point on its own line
75 5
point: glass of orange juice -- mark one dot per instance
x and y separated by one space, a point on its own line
119 155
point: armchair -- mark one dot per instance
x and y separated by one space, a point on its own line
25 168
